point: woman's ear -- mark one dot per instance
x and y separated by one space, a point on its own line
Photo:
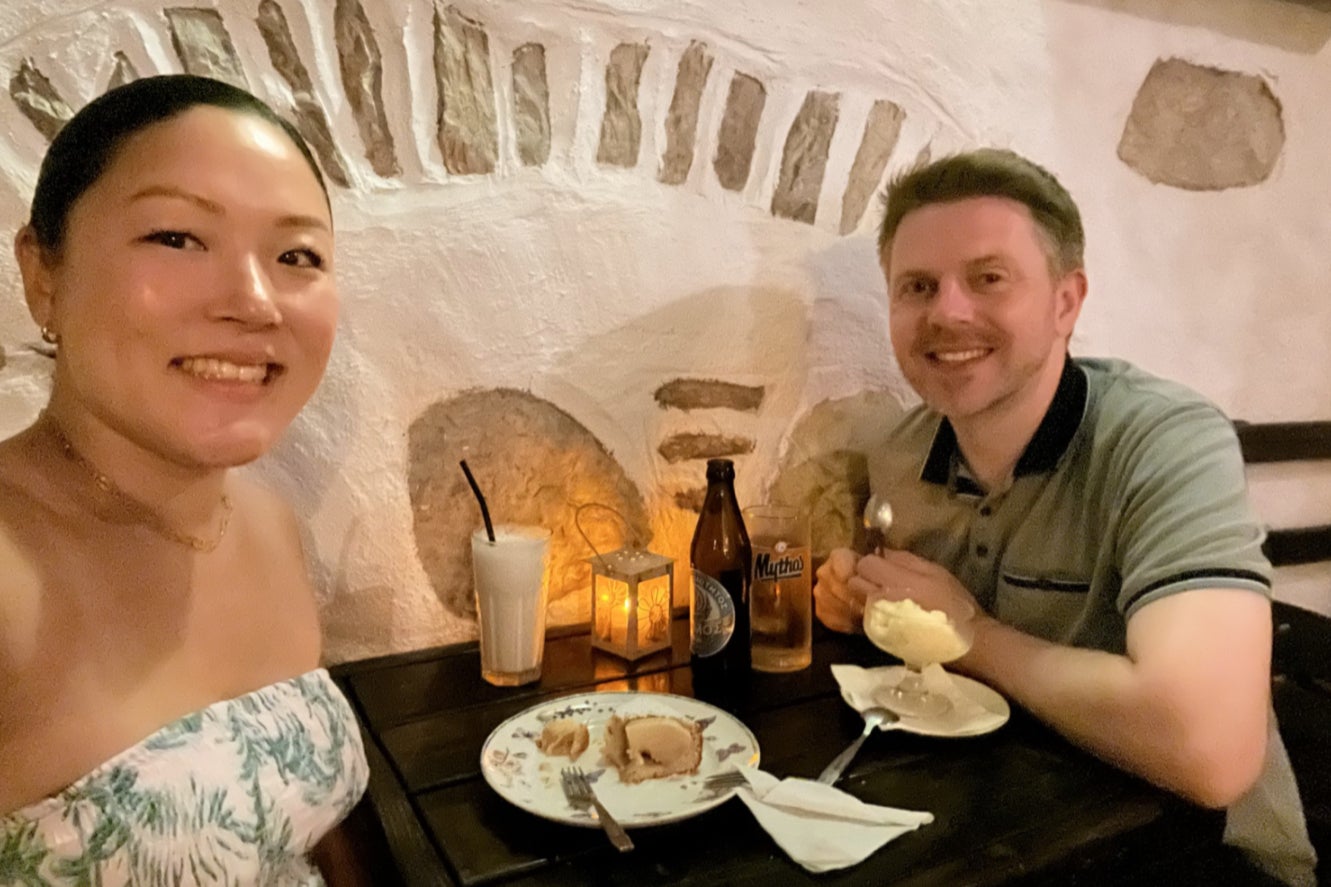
37 266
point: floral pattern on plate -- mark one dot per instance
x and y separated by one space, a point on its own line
526 777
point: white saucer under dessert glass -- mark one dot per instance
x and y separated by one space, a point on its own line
528 778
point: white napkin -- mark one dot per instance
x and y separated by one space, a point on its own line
967 717
819 826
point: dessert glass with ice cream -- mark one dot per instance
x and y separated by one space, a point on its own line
920 632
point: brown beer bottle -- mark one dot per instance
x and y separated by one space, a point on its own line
722 562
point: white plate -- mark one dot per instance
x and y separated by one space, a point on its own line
526 777
981 710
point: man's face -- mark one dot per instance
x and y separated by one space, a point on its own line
977 319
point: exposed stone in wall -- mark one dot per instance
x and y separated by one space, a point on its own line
924 155
684 447
739 131
531 104
681 124
203 45
1201 128
124 72
804 159
38 100
621 127
468 116
704 394
468 132
362 71
881 131
536 465
825 469
831 490
308 113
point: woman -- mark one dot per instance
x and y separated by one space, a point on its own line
162 714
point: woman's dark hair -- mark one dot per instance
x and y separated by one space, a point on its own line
991 172
87 144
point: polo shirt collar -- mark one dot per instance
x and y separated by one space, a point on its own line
1046 446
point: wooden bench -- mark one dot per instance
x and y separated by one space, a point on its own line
1301 654
1264 443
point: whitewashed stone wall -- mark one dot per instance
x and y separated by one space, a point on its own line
588 244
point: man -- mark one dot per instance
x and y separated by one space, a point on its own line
1096 515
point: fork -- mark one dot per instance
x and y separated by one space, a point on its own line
725 779
580 794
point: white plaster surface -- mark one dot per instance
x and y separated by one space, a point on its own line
590 286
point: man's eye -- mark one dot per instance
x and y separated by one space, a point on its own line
173 239
916 287
301 258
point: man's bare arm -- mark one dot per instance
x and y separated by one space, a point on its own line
1185 707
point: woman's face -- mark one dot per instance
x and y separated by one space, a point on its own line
194 295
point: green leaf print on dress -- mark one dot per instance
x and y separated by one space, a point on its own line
236 793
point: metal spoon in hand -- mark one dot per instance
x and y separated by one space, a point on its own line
873 717
877 521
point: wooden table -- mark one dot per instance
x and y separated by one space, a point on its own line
1016 806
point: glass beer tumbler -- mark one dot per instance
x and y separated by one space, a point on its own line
781 598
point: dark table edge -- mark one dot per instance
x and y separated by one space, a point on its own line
418 862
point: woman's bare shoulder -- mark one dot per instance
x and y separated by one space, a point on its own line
20 570
272 543
267 513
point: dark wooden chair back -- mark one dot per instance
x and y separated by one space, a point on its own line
1290 442
1301 653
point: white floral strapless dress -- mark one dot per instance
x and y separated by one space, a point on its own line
236 794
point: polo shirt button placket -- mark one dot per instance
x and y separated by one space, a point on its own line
983 509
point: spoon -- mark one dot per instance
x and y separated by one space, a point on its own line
877 521
873 718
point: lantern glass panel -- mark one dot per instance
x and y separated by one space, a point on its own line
632 592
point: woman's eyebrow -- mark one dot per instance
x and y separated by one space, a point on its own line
295 220
299 221
211 206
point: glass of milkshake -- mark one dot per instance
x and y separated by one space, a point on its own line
511 591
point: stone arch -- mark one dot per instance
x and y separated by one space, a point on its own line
535 464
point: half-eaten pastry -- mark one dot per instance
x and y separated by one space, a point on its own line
652 746
563 736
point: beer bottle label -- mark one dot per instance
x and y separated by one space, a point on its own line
713 615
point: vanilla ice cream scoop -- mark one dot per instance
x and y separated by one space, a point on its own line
918 637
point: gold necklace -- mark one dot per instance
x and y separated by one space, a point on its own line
154 521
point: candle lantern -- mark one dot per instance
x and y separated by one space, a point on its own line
632 594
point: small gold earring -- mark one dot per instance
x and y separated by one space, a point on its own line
49 336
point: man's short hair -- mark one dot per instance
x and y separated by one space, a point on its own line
991 172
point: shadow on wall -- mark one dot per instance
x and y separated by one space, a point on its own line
1302 26
717 373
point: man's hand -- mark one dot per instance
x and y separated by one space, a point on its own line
905 575
837 606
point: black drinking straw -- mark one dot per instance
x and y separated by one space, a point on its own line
485 512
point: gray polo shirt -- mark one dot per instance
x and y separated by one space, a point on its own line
1131 489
